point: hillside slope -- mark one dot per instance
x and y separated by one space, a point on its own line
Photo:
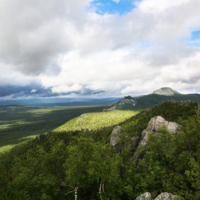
96 121
53 164
148 101
20 123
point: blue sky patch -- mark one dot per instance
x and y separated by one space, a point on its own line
195 35
195 38
146 44
112 7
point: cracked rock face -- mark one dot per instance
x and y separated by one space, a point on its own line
153 127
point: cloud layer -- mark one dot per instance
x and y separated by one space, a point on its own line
65 47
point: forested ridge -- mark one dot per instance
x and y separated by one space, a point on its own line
58 164
151 100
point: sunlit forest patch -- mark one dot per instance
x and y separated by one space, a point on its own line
94 121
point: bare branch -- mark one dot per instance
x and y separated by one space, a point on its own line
61 183
70 192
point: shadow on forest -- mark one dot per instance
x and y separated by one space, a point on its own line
21 123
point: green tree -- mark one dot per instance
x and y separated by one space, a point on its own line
39 174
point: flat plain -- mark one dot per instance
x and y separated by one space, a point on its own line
22 123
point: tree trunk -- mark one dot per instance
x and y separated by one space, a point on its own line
76 189
100 194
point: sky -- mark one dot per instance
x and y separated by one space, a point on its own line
98 48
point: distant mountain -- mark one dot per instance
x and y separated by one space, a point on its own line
127 102
51 102
150 100
167 91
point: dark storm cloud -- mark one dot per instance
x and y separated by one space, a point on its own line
23 91
38 91
86 91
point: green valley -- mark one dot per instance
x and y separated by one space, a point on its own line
20 123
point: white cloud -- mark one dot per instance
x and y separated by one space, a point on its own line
8 76
117 1
66 88
153 6
65 46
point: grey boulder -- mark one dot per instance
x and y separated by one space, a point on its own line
116 133
167 196
162 196
145 196
153 127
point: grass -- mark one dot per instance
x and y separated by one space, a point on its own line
22 123
94 121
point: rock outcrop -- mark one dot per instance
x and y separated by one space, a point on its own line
162 196
153 127
168 196
145 196
115 138
167 91
135 141
126 101
118 132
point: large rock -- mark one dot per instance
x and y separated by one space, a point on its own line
159 122
162 196
167 196
172 127
153 127
145 196
135 141
118 132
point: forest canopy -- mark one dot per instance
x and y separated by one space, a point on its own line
57 165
